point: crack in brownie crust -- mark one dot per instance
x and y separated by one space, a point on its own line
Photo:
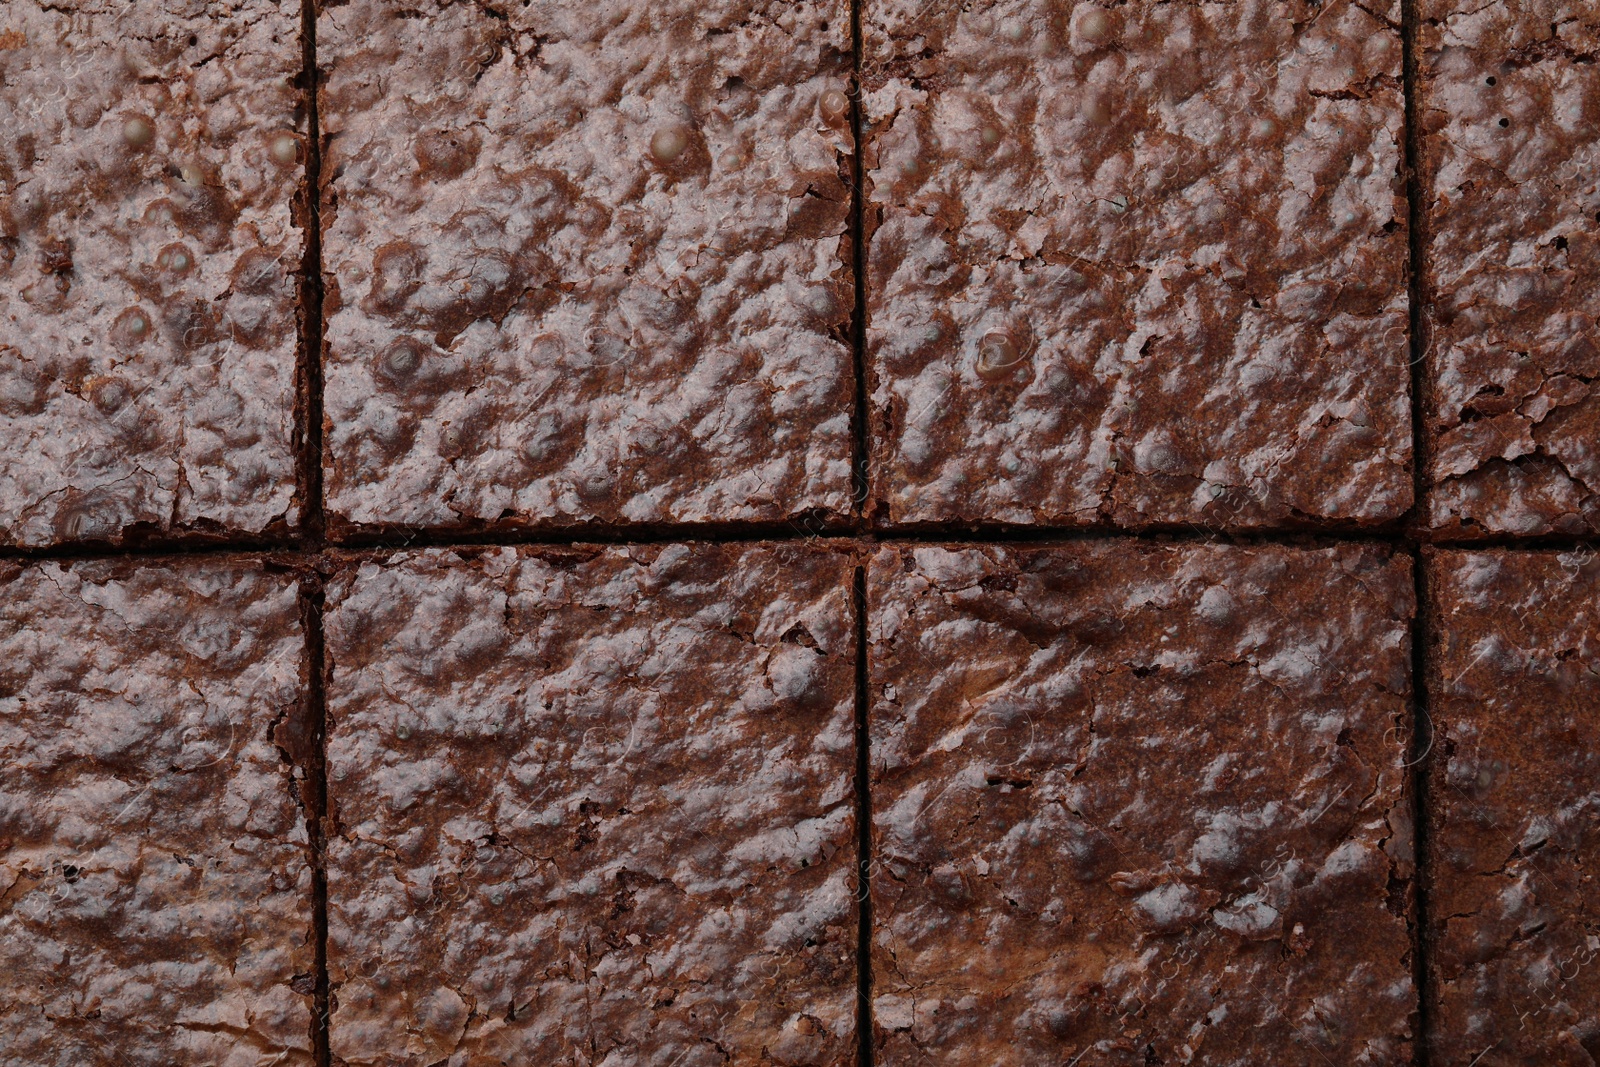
1148 802
1138 265
593 807
1514 811
155 876
586 262
1510 98
147 268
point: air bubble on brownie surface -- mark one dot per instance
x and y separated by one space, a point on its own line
191 175
1096 27
1013 30
1263 128
731 159
669 143
990 135
175 258
1096 111
285 148
403 732
401 359
834 106
999 355
160 211
138 131
109 396
131 329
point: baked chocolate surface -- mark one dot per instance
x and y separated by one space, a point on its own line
1514 808
593 806
155 877
1510 96
586 262
148 257
1139 804
1137 265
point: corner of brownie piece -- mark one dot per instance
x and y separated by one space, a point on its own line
1509 92
586 263
155 871
1137 264
148 266
1512 830
1141 804
593 805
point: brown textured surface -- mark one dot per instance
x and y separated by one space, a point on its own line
531 317
139 184
1189 221
593 806
1140 805
1510 99
1514 808
155 884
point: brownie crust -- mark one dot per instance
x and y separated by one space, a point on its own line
593 806
148 265
155 876
586 263
1513 808
1141 805
1137 265
1510 99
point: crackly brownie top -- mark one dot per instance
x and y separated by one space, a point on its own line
587 260
1513 806
156 900
1510 96
1145 800
593 805
1137 264
147 263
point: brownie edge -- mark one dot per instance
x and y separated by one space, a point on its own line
1514 808
156 903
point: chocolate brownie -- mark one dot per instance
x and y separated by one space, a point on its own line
1511 98
1137 264
593 806
586 262
148 265
155 877
1514 808
1141 804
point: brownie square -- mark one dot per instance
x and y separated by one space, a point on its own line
1141 804
586 262
148 265
593 806
1511 96
1137 265
155 876
1514 807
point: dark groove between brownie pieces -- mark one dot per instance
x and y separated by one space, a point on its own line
860 475
1416 267
312 532
1420 748
1421 742
864 1055
316 793
155 548
308 370
757 533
